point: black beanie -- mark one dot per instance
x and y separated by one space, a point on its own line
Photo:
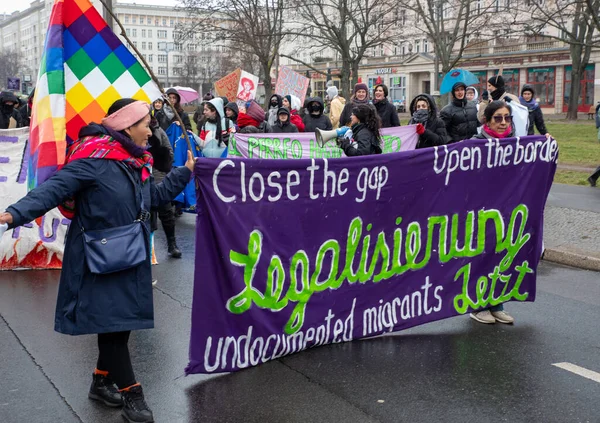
497 81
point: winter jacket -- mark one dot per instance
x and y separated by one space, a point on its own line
387 113
336 105
286 127
294 116
184 116
535 117
227 126
88 303
312 121
161 150
236 111
364 142
271 114
7 112
435 128
460 118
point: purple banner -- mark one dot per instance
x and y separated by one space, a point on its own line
302 145
292 254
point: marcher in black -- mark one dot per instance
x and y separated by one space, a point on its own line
283 124
460 116
9 115
162 152
431 129
536 116
314 118
365 126
25 110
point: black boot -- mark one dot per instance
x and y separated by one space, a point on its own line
135 408
103 389
173 249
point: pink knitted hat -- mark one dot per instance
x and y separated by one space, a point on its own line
127 116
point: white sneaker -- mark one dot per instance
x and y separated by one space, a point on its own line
154 282
484 316
503 317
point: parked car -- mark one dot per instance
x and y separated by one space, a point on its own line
400 106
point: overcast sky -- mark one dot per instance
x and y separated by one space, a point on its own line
7 6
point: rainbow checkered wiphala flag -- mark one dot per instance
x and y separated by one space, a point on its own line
84 69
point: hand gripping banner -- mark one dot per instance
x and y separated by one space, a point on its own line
293 254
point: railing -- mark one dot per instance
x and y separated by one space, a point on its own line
545 45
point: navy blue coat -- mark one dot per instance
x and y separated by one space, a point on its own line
105 197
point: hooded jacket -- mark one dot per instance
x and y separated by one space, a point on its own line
271 114
7 112
234 108
435 128
336 106
535 112
286 127
161 150
25 110
460 118
170 119
226 126
476 94
312 121
295 118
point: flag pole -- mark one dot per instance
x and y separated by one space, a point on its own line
149 69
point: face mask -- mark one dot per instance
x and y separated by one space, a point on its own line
420 116
274 103
315 108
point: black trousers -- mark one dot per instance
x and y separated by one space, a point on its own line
114 358
167 217
594 176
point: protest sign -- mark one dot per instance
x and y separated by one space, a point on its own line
228 85
247 87
303 145
36 245
291 82
322 251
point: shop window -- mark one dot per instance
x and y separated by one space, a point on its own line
544 83
586 94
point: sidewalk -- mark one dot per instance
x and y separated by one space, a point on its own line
572 226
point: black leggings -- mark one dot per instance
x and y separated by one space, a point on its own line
114 358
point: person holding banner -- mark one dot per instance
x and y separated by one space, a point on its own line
293 104
109 193
386 110
216 123
431 129
360 95
363 138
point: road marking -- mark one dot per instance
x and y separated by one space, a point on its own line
581 371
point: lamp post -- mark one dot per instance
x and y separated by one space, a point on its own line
166 48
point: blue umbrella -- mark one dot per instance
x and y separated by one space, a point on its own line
457 75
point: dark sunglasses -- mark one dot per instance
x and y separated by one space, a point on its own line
499 119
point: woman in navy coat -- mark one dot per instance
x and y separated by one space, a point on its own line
104 196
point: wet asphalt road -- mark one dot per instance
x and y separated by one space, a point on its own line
450 371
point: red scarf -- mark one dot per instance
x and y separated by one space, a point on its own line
495 134
107 148
245 120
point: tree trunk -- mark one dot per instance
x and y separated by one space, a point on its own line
576 75
345 80
266 69
355 65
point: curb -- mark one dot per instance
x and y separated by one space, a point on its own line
571 259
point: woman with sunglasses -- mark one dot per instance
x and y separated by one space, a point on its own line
497 121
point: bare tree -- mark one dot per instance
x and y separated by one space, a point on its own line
250 26
455 25
348 27
574 23
11 65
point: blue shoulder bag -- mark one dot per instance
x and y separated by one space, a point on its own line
120 248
